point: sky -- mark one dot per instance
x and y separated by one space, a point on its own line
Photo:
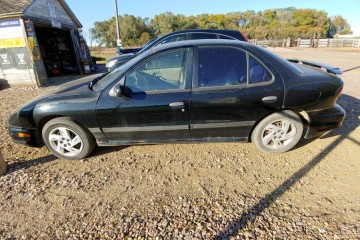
90 11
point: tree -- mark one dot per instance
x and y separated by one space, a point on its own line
164 23
268 24
304 17
270 16
232 20
184 22
339 25
104 33
203 20
247 19
216 21
132 31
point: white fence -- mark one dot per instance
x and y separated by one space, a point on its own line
326 42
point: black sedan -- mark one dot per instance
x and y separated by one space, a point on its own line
188 91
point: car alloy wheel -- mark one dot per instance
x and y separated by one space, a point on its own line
65 141
278 134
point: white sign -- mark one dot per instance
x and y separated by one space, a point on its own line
119 43
52 10
21 57
53 17
10 29
5 58
55 23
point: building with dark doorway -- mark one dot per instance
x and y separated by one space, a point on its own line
39 39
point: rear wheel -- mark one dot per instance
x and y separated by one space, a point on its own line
66 139
278 132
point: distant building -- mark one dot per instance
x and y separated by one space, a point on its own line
349 36
39 39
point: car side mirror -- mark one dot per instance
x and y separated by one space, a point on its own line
117 90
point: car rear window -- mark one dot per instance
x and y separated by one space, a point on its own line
258 73
284 61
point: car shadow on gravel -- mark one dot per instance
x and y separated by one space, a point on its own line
99 151
351 122
30 163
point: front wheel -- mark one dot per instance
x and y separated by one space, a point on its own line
278 132
66 139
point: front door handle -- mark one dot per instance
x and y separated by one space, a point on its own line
269 99
177 104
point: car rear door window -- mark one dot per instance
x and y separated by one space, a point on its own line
197 36
222 66
258 73
162 72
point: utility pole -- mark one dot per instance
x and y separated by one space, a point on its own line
118 40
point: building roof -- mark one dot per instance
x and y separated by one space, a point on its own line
13 6
18 7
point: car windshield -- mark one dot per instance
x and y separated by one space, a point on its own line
103 82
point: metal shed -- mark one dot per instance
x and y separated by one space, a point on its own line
39 39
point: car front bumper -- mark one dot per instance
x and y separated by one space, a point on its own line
322 121
24 136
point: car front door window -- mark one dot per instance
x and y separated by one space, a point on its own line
162 72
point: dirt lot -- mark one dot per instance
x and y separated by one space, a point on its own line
189 191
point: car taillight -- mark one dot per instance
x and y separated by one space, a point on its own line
245 39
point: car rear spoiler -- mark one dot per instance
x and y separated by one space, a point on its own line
325 67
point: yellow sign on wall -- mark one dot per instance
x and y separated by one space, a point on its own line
12 43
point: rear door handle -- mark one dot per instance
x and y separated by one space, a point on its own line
269 99
177 104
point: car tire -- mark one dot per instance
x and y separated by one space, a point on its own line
278 132
66 139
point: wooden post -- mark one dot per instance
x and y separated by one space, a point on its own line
288 42
3 165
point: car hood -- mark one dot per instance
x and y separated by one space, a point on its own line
75 87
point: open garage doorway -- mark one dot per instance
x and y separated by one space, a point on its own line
57 51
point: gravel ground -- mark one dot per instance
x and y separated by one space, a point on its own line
188 191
